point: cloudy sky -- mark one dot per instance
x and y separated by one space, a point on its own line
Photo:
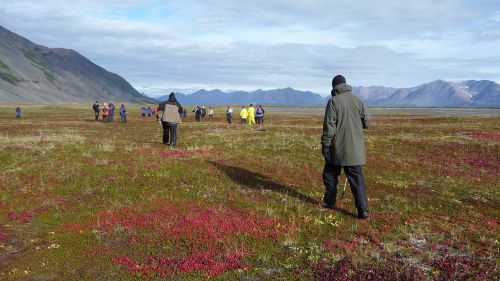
234 44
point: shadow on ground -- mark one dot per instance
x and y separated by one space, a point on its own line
259 181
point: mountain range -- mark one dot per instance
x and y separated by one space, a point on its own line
286 96
32 73
438 93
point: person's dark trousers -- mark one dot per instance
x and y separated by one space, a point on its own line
96 115
197 118
169 133
356 181
111 116
123 119
18 116
229 119
243 121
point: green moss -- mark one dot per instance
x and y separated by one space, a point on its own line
39 63
32 56
7 74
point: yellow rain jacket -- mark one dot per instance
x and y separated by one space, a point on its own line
244 113
251 112
251 116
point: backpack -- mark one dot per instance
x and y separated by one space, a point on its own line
95 107
203 112
105 110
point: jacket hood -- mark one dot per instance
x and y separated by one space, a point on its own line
341 89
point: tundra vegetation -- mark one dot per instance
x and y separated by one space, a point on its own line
86 200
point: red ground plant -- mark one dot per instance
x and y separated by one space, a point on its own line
3 234
200 226
345 270
23 216
487 136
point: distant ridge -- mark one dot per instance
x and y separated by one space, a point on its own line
442 93
31 73
286 96
438 93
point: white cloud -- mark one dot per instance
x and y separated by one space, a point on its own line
269 44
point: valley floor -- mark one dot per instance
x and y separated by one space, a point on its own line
86 200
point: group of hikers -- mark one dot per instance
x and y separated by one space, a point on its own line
249 116
200 112
148 111
107 111
342 140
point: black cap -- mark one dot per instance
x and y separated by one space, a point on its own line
339 79
172 94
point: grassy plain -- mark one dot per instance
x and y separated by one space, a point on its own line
86 200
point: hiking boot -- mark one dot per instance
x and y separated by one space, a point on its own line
363 215
328 206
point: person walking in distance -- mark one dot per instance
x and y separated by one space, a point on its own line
111 114
243 115
259 115
197 113
96 109
170 118
123 114
203 112
18 112
343 145
251 115
104 112
229 114
262 115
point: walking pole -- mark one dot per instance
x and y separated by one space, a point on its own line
343 189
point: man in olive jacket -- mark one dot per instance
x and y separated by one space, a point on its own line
343 145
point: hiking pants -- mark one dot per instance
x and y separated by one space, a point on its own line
169 133
243 121
356 181
96 115
251 120
123 118
229 119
